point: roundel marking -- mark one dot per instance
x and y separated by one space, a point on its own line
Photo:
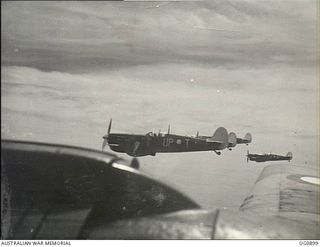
306 179
179 141
311 180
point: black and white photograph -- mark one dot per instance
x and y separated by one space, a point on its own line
160 120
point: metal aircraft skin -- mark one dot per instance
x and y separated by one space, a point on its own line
51 191
152 143
245 140
268 157
233 140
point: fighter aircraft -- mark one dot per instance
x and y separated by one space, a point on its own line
63 192
152 143
246 140
232 139
268 157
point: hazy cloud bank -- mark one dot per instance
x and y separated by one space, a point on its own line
81 36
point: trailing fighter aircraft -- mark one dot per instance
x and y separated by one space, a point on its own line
232 139
268 157
63 192
152 143
246 140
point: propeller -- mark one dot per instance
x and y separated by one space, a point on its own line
104 143
169 129
247 156
109 127
135 148
105 137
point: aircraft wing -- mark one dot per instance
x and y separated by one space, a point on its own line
62 192
284 204
211 140
286 191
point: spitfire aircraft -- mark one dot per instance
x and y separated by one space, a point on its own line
60 192
152 143
268 157
232 139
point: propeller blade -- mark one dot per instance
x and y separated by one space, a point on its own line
105 137
135 148
105 141
109 127
247 156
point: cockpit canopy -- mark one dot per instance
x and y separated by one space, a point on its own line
151 134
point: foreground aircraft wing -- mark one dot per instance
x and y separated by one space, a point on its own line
283 204
62 192
286 191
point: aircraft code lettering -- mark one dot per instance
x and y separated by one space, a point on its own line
187 143
167 142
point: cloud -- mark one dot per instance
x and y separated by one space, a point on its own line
82 36
254 97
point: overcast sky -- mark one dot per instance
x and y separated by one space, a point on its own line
250 66
78 36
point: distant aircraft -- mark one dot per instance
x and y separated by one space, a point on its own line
246 140
232 139
60 192
152 143
268 157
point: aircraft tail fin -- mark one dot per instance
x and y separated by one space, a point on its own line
289 154
220 136
232 139
248 137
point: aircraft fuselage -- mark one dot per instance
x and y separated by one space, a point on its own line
267 157
140 145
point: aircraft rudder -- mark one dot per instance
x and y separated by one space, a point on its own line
232 139
220 135
289 154
248 137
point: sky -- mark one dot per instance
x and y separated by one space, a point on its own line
250 66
